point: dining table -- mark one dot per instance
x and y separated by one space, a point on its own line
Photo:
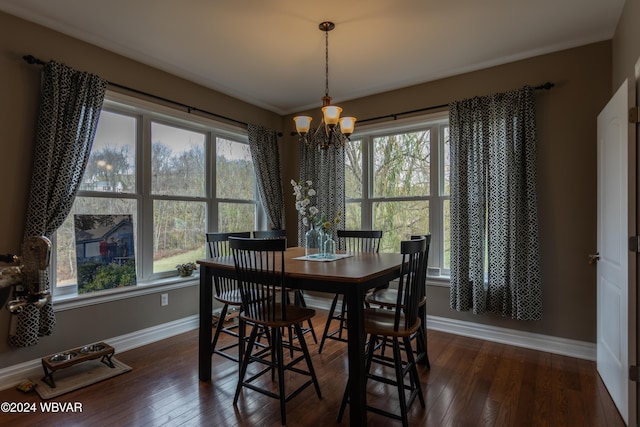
349 274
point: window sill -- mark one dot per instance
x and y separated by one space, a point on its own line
70 302
442 281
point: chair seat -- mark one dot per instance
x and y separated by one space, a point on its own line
231 297
380 321
387 298
294 314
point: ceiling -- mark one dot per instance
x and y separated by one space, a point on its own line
272 53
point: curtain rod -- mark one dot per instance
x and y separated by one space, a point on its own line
544 86
33 60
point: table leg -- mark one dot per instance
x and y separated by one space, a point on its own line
355 345
204 336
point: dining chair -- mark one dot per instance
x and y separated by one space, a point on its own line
269 234
226 292
396 325
351 241
298 294
260 271
387 298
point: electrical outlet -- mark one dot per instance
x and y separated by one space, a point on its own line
164 299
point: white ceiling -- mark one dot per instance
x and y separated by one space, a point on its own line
271 53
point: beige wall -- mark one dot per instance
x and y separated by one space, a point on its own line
566 132
566 171
626 44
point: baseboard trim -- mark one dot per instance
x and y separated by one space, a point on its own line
15 374
540 342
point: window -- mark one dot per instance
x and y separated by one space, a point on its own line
397 180
177 175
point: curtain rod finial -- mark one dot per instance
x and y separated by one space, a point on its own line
32 60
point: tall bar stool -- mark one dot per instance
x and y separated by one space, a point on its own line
387 298
227 293
260 271
298 294
351 241
397 325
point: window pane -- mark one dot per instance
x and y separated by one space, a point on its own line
111 165
446 168
402 164
177 161
399 220
234 217
178 233
66 272
353 169
235 176
353 218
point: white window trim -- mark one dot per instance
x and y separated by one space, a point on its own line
66 298
437 276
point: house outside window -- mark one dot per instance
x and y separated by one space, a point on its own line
397 180
177 175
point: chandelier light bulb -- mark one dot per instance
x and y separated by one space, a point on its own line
303 124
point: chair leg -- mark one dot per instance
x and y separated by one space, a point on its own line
413 370
421 345
219 326
303 303
278 350
307 357
343 317
343 404
245 362
328 324
276 343
397 356
242 330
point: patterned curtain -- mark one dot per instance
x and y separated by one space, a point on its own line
326 169
494 226
69 109
266 159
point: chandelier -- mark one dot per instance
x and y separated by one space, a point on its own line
336 129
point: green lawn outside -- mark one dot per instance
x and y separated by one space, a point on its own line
169 263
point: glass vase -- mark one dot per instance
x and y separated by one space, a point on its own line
311 242
329 250
322 237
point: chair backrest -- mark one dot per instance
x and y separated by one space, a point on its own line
260 273
359 240
269 234
410 282
425 262
218 243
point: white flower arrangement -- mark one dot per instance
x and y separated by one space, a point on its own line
309 212
304 191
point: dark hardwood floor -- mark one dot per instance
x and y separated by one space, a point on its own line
471 383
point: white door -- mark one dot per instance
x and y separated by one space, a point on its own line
613 267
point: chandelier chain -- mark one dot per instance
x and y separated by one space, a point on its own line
326 62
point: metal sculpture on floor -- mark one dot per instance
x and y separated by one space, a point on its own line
31 303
